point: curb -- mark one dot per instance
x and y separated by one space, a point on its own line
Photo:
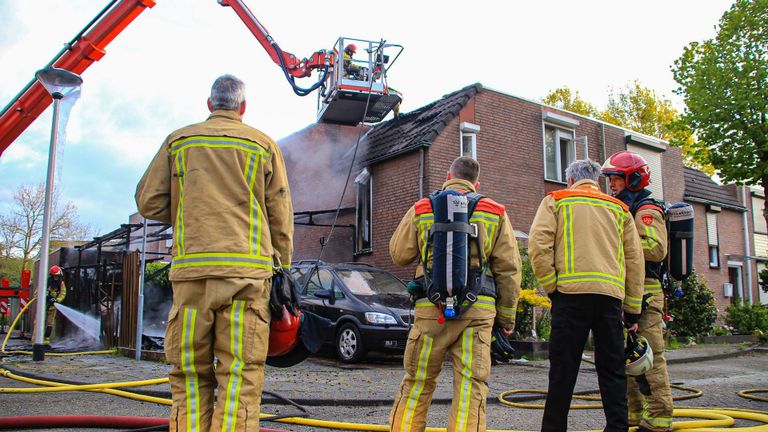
732 354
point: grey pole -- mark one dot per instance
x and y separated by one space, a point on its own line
38 349
140 306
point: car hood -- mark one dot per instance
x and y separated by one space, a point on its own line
382 302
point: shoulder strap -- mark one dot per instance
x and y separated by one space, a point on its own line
473 198
649 202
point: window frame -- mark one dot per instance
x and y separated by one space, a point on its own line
713 248
470 131
361 247
560 170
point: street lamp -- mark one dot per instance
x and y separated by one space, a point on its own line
59 83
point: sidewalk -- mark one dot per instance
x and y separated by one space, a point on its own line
321 380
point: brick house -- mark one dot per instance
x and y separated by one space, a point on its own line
760 235
523 148
724 240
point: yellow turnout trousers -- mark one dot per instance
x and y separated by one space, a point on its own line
227 319
468 340
655 411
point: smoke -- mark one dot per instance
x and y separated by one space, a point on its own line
317 159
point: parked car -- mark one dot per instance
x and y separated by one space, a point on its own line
369 307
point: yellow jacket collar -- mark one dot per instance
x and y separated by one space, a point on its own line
459 185
585 184
230 114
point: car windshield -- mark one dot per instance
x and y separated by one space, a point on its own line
363 282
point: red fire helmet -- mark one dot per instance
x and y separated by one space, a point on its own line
283 334
55 271
631 166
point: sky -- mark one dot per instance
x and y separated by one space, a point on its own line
157 73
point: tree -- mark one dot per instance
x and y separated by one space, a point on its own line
724 82
639 108
570 100
21 229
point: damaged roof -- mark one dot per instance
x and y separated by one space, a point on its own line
414 129
699 187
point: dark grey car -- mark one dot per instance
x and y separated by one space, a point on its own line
369 307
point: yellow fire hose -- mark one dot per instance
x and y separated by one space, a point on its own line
13 325
747 394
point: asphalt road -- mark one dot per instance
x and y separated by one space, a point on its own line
362 393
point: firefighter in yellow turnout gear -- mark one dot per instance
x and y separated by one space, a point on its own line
650 397
223 186
467 338
56 292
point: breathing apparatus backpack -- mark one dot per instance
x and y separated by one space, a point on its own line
452 285
678 264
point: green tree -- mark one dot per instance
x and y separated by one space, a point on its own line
639 108
724 82
567 99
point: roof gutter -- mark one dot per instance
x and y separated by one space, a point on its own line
707 201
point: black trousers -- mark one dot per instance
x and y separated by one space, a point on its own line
573 316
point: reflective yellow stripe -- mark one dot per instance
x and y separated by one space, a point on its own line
465 387
491 222
651 240
653 287
507 312
660 422
221 259
589 277
424 302
180 206
424 224
418 384
548 279
236 325
633 301
568 238
188 367
218 142
595 202
620 247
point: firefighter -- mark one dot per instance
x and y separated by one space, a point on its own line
56 291
351 70
587 256
223 186
629 176
468 337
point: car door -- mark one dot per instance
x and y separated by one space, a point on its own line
321 279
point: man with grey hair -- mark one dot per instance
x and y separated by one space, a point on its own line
587 256
223 186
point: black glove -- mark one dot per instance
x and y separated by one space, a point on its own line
283 293
646 300
630 319
643 385
501 349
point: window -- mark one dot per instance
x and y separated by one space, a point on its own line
469 139
714 252
469 145
321 279
559 152
363 212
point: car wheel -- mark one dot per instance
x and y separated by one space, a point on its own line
349 344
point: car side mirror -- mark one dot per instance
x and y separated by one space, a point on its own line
326 294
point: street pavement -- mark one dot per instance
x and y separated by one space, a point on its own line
362 393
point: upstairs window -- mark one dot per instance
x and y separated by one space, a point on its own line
559 152
712 240
469 139
363 212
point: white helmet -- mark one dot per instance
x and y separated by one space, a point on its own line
638 354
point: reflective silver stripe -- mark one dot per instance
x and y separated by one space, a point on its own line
589 276
220 259
591 201
660 422
418 384
180 205
548 279
191 384
222 142
236 324
510 312
465 387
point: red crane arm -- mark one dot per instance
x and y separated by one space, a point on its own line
293 65
85 49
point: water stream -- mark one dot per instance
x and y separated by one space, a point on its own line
88 324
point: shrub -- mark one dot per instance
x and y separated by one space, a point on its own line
694 313
747 320
763 279
525 324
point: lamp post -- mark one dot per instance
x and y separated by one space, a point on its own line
59 83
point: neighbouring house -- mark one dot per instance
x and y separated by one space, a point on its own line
760 236
523 148
722 238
